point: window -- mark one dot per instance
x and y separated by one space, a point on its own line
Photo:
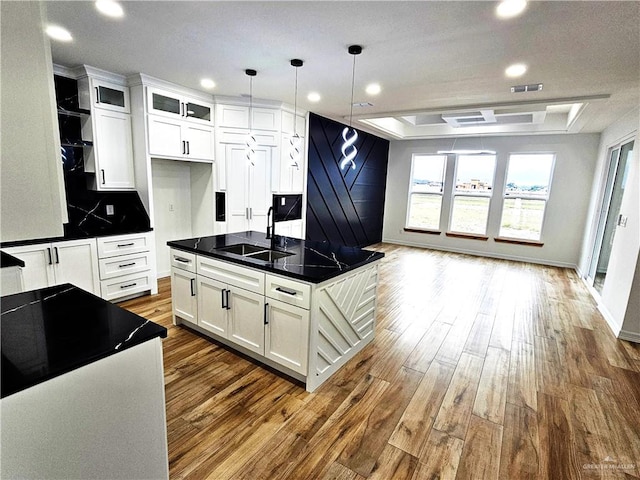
527 190
425 191
472 194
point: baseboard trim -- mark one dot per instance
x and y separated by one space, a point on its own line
613 325
629 336
476 253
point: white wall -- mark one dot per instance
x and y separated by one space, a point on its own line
614 301
171 189
566 214
32 185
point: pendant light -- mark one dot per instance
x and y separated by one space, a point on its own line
294 149
349 134
251 138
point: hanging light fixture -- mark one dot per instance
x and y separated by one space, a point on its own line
349 134
294 150
251 138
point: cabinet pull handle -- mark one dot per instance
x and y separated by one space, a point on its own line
193 287
227 295
180 259
49 255
184 148
288 292
120 245
246 213
97 95
250 213
184 109
103 180
126 265
55 250
266 317
188 150
128 285
222 298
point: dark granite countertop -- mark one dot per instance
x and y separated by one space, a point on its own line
310 261
74 235
48 332
7 261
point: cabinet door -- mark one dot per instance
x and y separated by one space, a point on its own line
212 314
199 142
246 319
38 265
76 262
114 150
165 137
237 195
197 111
110 96
287 335
183 295
259 193
163 103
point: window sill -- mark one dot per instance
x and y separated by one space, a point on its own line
420 230
519 241
470 236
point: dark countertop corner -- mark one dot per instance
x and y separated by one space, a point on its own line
7 261
48 332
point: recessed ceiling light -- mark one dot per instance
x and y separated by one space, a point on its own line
110 8
314 97
510 8
59 33
516 70
373 89
207 83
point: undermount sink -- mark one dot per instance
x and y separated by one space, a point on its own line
242 249
268 255
256 252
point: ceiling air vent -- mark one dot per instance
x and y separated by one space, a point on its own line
534 87
362 104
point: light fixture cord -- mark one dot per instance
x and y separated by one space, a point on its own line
250 102
295 104
353 81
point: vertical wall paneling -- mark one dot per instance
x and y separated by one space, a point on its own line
345 206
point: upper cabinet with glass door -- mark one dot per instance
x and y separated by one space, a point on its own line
110 96
162 102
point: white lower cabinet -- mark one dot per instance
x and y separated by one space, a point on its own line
286 336
246 319
183 294
71 261
127 265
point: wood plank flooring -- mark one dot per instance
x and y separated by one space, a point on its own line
480 369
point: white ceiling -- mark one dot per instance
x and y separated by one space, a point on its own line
430 57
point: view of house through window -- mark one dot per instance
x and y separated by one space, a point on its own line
526 193
472 194
425 191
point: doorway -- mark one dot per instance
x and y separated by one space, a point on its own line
609 219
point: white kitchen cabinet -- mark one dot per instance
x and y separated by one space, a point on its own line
248 188
246 319
286 335
71 261
109 96
178 106
183 294
237 116
212 301
170 138
289 173
111 158
291 228
126 265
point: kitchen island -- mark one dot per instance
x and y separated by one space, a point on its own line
82 388
302 307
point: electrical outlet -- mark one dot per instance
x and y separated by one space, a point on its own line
283 201
171 207
110 210
622 220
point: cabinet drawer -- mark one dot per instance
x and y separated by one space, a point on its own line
124 264
127 285
288 291
183 260
232 274
121 245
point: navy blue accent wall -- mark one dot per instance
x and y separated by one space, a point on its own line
345 206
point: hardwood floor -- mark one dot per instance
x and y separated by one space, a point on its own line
480 369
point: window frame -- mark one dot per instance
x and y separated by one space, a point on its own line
454 194
506 196
409 227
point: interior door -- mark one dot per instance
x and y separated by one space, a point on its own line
619 160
